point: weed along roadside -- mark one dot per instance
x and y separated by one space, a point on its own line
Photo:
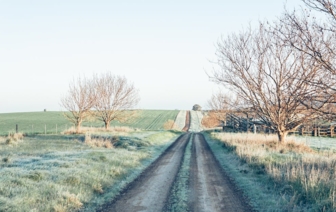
285 177
64 173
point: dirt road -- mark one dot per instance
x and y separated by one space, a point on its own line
187 122
150 191
209 188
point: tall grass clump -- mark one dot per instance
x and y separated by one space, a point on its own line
302 175
13 138
99 141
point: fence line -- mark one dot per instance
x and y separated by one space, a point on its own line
244 123
31 129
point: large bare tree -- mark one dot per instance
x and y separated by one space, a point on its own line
78 101
115 98
316 38
270 78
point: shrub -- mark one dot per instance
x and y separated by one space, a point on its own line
72 201
98 188
131 143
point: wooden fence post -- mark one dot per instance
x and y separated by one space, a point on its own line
17 128
331 131
247 124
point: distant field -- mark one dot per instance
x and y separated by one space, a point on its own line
54 122
152 119
317 142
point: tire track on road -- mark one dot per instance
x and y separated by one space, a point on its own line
150 191
205 185
210 188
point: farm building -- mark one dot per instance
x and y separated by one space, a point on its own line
197 107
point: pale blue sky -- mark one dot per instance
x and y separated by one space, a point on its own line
164 47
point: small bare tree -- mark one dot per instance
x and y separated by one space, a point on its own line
79 101
115 98
270 78
220 105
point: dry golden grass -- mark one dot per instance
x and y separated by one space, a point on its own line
98 188
308 176
169 125
85 130
99 142
13 138
210 120
265 142
72 201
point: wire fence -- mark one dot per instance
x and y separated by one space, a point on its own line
31 129
47 128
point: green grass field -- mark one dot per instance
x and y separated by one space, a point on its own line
152 119
57 172
54 122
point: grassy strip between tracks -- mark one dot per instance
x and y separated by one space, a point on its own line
277 177
178 199
63 173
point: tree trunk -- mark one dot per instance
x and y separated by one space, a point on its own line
78 125
282 136
107 124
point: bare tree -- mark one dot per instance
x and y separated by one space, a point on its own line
220 105
270 78
316 38
115 97
79 101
